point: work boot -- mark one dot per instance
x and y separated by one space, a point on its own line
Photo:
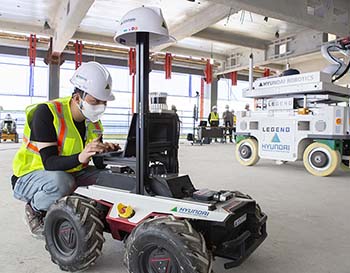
35 221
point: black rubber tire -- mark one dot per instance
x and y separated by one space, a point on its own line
183 247
345 165
74 233
312 154
251 147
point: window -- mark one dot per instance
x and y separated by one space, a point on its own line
282 49
120 77
232 95
178 84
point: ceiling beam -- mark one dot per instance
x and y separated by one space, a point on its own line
194 23
329 16
108 60
24 28
66 21
108 40
227 37
194 53
105 39
95 38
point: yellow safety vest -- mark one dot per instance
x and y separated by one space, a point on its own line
69 142
214 116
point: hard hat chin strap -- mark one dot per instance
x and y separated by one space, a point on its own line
84 95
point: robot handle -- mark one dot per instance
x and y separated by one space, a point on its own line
338 68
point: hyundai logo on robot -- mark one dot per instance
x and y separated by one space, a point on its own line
273 82
195 212
276 145
287 80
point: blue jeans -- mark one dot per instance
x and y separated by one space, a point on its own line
42 188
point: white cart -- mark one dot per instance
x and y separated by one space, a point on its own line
298 117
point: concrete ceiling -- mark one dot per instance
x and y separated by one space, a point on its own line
250 24
103 16
206 28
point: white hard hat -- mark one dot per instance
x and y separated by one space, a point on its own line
143 19
214 108
94 79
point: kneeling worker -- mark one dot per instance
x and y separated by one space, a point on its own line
59 138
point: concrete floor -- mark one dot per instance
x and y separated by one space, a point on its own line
308 222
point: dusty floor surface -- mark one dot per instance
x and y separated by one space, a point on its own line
308 221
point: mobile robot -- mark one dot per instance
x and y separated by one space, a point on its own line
167 224
299 117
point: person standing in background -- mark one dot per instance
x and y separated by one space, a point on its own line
234 122
227 116
213 118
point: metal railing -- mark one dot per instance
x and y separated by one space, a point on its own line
116 124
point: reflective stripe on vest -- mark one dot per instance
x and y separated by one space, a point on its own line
98 129
62 129
214 116
30 146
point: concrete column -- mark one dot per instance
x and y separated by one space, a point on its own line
54 62
54 80
214 93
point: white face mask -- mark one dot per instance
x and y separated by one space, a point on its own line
92 112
